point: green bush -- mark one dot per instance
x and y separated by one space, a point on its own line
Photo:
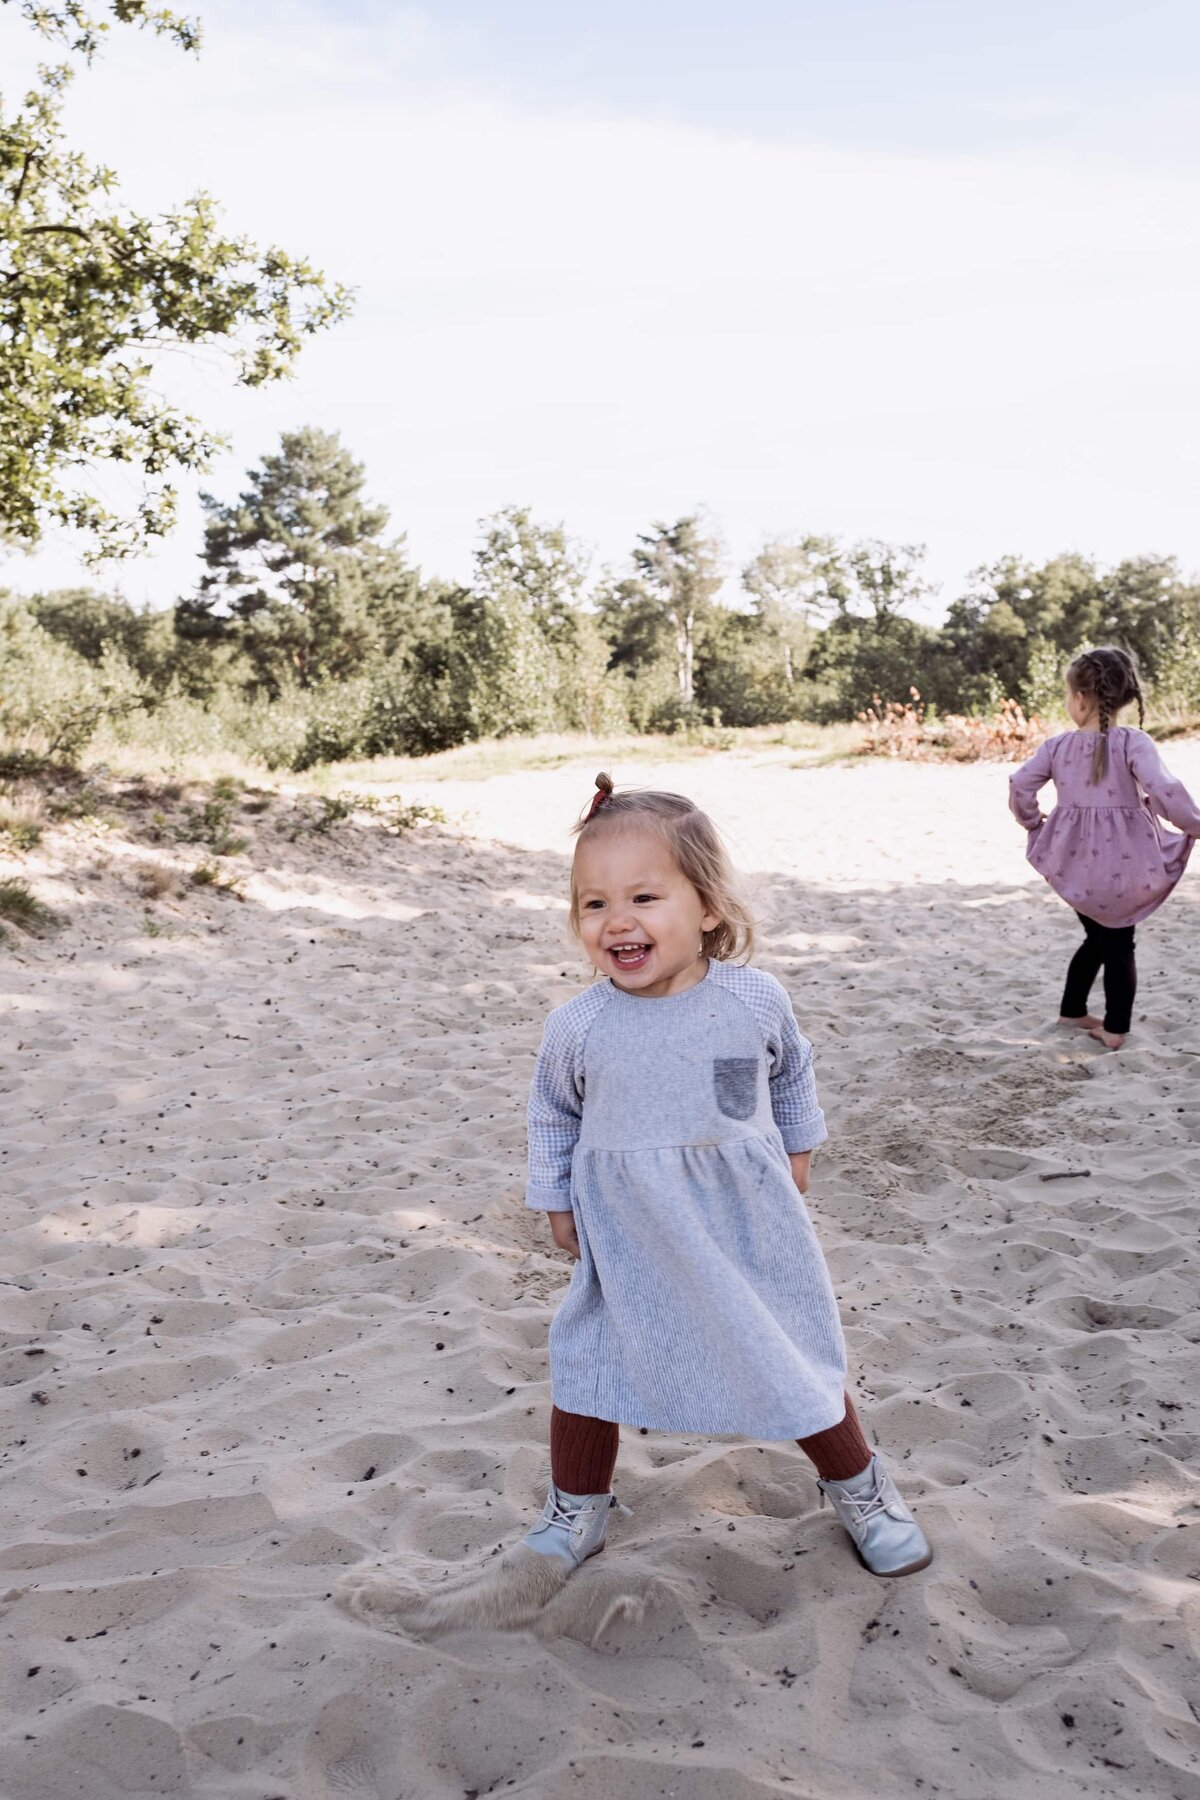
51 699
856 662
211 824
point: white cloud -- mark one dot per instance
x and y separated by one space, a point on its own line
614 319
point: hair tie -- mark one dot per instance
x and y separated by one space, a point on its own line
603 794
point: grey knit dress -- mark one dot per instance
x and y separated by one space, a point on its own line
701 1301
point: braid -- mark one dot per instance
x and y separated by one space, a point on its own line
1109 675
1100 759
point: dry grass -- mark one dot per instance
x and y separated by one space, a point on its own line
906 732
805 744
20 906
21 824
211 875
154 881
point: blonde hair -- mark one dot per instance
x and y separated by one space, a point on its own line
695 844
1109 676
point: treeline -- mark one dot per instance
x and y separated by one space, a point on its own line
311 637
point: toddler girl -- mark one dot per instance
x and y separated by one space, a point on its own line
1102 849
671 1123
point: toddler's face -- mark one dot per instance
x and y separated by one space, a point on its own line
640 918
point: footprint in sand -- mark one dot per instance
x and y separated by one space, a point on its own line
1089 1314
513 1593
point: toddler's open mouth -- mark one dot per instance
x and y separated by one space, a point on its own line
631 956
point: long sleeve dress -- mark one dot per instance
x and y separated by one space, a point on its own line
1102 848
701 1300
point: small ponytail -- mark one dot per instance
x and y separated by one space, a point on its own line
603 794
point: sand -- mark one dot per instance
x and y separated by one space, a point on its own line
272 1309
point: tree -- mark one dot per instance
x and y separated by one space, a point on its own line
884 579
504 666
794 585
298 573
537 562
679 573
1146 605
525 566
740 677
71 23
1013 614
86 621
869 646
91 293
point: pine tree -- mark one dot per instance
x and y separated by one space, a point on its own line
298 573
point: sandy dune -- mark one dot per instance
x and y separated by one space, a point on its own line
271 1308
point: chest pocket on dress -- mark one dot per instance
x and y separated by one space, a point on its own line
735 1079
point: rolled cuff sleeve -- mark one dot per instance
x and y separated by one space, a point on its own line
803 1134
794 1105
544 1199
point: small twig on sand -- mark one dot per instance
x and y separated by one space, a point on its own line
1064 1174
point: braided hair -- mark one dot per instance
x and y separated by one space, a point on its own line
1109 676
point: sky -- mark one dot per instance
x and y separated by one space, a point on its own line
926 272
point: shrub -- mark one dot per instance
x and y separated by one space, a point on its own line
210 874
650 692
1177 688
393 813
399 815
20 906
209 824
20 826
52 700
906 732
154 880
853 657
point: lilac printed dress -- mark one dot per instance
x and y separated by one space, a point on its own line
1102 849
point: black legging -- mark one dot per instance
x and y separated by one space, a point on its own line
1110 947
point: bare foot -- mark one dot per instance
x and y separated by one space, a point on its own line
1088 1022
1112 1040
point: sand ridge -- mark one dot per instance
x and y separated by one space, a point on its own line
271 1309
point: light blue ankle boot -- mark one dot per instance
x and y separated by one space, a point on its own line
883 1531
572 1526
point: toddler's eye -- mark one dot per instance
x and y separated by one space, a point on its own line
638 898
592 905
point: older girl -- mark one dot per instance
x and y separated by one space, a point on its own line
1102 848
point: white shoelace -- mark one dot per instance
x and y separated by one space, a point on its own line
568 1516
865 1505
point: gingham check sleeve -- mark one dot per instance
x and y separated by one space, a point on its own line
555 1112
794 1088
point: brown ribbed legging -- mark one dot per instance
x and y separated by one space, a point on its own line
583 1451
